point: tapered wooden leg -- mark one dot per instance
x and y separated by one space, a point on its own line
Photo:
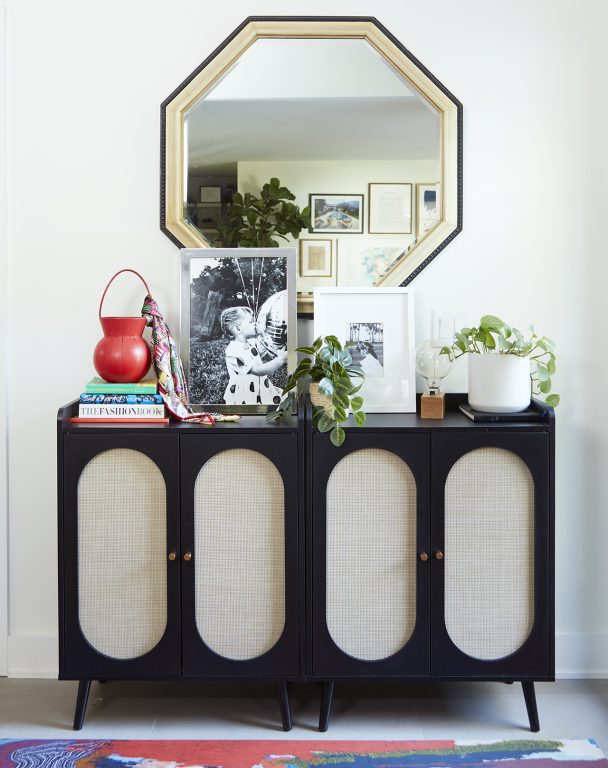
530 697
283 696
328 692
84 686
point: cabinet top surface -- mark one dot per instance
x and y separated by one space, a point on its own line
454 420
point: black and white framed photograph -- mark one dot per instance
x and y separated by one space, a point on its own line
366 346
336 213
427 207
378 326
238 326
390 209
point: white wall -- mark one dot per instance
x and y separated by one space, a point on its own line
85 82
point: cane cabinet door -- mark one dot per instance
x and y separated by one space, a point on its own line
240 554
370 561
119 578
491 555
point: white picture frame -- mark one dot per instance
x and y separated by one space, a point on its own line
385 319
390 209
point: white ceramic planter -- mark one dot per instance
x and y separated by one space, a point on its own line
499 383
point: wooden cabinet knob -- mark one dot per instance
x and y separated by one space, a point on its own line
188 556
439 555
423 556
172 556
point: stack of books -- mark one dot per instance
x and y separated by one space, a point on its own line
131 402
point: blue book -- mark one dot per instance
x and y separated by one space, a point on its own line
106 399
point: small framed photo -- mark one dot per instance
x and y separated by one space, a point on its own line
237 326
378 326
336 213
427 207
390 209
316 258
364 260
210 195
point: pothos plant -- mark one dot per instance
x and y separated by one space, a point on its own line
330 365
494 336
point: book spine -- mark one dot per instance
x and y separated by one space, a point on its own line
83 420
106 399
105 388
118 411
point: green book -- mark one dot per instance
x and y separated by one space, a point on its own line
99 386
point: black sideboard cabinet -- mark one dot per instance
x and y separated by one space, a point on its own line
418 550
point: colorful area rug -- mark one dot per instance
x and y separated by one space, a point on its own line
99 753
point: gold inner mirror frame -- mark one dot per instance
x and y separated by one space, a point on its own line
206 97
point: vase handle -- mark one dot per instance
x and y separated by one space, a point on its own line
120 271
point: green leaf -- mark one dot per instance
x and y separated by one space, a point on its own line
333 341
326 423
360 418
356 403
346 358
553 401
489 341
306 350
324 355
542 372
326 387
491 323
339 413
545 386
317 344
337 436
317 412
340 400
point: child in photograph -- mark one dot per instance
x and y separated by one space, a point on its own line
248 376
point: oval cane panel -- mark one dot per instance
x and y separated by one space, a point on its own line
239 533
122 543
489 553
371 554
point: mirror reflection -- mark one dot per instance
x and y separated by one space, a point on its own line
354 146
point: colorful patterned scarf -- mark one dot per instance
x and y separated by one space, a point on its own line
168 365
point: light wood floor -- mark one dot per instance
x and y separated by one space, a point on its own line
574 709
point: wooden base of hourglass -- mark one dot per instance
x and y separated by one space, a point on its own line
432 406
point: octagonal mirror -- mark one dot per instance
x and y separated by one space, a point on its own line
363 139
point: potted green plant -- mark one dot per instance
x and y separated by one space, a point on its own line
256 222
506 367
328 368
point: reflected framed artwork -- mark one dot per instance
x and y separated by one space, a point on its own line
390 209
364 260
378 326
427 207
237 326
336 213
316 258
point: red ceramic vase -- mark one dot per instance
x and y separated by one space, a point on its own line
122 355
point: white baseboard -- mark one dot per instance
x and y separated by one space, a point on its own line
33 656
581 655
577 655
